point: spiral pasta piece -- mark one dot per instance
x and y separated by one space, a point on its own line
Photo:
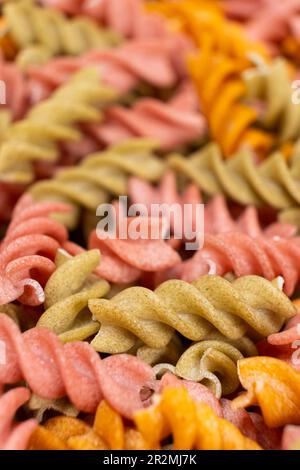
101 176
194 310
16 93
274 386
53 370
213 362
243 255
174 124
191 424
67 293
36 137
28 250
271 84
41 33
221 89
14 436
273 182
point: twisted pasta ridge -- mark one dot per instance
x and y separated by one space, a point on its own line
28 250
128 17
41 33
271 84
102 175
217 216
174 124
150 61
14 436
16 93
273 182
194 310
220 86
36 138
213 362
191 424
243 255
67 293
53 370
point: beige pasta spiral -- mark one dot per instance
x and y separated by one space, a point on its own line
248 305
272 85
212 362
67 293
273 182
101 176
41 33
36 137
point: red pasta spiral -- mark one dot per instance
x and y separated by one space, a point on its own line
244 255
53 370
173 124
125 16
152 61
28 250
14 436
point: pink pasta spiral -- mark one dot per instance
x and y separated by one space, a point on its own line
153 61
173 124
126 16
53 370
28 250
14 436
244 255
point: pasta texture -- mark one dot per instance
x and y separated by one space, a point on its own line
28 250
14 436
53 370
67 293
194 310
42 33
271 183
277 393
191 425
101 176
123 68
213 362
36 137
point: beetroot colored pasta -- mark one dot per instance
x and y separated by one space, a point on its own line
157 62
16 89
53 370
28 250
173 124
14 436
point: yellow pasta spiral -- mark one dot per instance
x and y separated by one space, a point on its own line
67 293
273 182
194 310
101 176
212 362
36 137
40 33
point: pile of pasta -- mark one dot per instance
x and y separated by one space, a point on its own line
120 343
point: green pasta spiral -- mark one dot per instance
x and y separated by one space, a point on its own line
271 84
41 33
101 176
212 362
249 305
273 182
37 137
